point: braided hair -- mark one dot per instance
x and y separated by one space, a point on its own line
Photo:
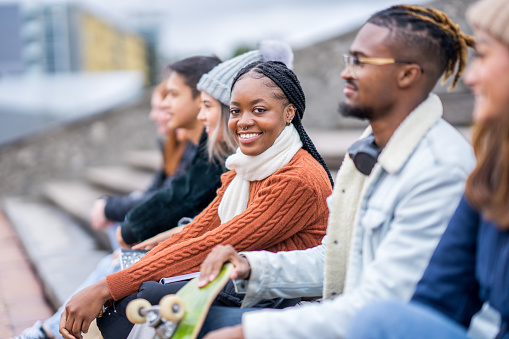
286 80
440 33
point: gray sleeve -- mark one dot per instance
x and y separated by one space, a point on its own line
284 274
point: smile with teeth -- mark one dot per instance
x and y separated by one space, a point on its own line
248 136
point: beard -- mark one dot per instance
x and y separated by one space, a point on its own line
362 113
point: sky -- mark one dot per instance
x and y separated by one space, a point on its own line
219 26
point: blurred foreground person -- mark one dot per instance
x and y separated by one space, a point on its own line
470 264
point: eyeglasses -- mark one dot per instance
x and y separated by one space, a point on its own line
353 63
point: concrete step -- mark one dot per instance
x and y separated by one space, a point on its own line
145 160
333 145
458 108
76 198
120 179
62 253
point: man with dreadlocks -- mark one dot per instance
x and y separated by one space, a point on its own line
393 196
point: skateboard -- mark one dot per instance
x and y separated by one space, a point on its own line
180 315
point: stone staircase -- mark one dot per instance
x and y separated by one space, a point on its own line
55 228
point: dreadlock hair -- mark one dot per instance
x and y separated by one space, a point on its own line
285 79
437 34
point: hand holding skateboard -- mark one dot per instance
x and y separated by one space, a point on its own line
220 255
179 315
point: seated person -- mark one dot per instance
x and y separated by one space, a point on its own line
386 214
273 198
194 192
189 193
178 145
470 264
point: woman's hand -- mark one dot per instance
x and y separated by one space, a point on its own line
233 332
154 241
97 217
82 309
217 258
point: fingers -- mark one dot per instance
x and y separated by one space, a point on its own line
212 265
86 325
140 246
62 327
76 329
233 332
144 245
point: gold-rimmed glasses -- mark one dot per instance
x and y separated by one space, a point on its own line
353 63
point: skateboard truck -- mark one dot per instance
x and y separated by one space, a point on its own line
181 315
163 317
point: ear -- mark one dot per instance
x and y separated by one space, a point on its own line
289 113
409 75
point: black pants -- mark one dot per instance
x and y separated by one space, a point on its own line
114 324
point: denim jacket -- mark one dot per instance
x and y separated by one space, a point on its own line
402 210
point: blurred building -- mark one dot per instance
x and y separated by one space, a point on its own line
65 37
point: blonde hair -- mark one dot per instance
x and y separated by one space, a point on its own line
221 149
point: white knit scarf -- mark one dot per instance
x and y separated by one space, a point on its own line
258 167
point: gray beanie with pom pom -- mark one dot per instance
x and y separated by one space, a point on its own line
219 80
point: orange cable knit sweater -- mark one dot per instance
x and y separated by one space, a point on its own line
286 211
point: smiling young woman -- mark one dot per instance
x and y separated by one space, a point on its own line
257 115
267 105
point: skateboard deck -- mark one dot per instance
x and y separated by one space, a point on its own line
181 316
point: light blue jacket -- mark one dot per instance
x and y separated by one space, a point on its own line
402 211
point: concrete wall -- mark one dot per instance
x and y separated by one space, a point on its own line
63 152
319 67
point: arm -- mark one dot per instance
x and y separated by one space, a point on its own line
82 309
449 284
281 208
154 241
415 229
307 265
117 206
254 272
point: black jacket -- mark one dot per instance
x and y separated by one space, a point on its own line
187 196
117 206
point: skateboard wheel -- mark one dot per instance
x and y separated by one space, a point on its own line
133 310
172 307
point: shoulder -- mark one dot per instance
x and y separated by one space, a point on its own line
304 170
444 147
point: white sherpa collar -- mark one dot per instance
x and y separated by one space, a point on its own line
408 135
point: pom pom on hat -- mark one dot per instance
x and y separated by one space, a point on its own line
218 81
